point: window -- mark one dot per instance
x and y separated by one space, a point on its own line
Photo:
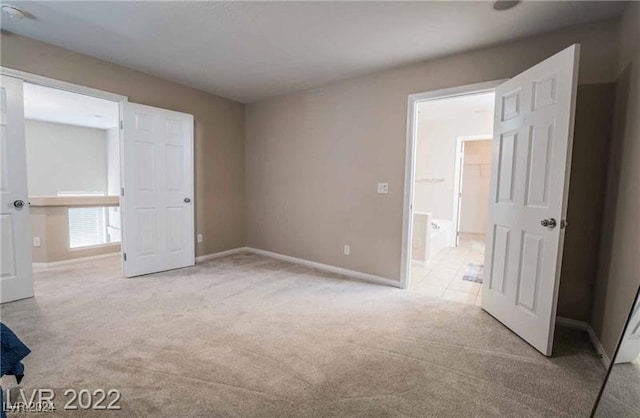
88 225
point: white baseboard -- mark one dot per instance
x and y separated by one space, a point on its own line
326 267
418 263
37 266
203 258
584 326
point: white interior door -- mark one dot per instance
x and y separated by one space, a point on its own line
16 274
531 159
157 203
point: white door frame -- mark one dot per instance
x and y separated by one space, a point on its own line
457 177
409 172
76 88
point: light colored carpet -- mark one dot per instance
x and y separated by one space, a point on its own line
252 336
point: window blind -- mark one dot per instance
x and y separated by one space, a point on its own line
86 225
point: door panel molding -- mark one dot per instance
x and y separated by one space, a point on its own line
16 272
158 181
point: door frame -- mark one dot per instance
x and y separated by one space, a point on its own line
409 164
87 91
458 177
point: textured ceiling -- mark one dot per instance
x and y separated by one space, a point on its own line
249 51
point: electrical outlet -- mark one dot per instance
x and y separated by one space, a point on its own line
383 188
347 249
200 238
36 241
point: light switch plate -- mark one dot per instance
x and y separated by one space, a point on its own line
36 241
199 237
383 188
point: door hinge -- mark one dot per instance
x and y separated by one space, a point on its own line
121 124
124 255
122 191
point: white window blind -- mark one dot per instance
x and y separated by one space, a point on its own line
87 226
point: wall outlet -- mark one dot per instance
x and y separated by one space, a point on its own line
383 188
199 237
36 241
347 249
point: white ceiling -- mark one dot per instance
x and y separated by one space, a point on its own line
249 51
456 107
52 105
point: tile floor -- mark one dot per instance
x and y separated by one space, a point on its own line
442 276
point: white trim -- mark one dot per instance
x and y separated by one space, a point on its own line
53 264
326 267
409 172
584 326
62 85
457 178
213 256
312 264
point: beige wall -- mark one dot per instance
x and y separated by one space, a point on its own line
586 196
219 129
313 158
51 224
619 268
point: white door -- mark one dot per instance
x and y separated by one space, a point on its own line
16 275
157 201
630 346
533 135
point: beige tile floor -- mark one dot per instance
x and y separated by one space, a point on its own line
442 276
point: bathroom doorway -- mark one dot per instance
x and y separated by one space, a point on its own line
451 195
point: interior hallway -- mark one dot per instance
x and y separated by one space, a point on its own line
441 278
248 335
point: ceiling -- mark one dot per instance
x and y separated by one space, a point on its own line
458 106
248 51
59 106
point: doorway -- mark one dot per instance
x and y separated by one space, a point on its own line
534 119
453 141
81 164
73 175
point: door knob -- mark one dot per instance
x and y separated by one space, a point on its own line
549 223
187 200
18 203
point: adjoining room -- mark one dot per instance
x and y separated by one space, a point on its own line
73 175
453 144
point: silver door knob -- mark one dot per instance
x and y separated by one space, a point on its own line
187 200
18 204
549 223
